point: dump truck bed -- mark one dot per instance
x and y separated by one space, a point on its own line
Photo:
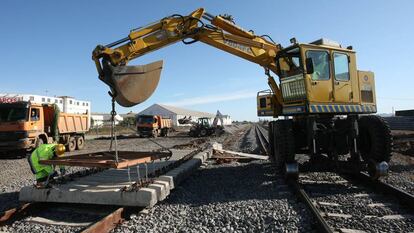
73 123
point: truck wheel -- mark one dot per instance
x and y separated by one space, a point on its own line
71 146
39 142
80 143
375 141
283 143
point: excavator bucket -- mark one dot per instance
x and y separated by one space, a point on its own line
134 84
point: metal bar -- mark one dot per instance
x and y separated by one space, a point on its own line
107 223
16 213
109 163
125 39
322 224
106 160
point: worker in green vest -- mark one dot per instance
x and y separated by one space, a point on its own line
44 152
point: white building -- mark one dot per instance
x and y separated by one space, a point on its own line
66 104
97 120
104 119
175 113
227 120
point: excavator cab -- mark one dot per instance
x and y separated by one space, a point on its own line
321 78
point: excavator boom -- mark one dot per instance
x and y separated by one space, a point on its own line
132 85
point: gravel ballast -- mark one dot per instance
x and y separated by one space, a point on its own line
226 198
234 197
356 206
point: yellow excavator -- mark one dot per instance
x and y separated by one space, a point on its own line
321 101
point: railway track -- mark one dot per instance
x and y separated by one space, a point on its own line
262 138
91 218
85 217
340 202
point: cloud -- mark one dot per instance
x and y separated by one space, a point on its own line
178 94
245 94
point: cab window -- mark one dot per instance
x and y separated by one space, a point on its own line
34 114
289 63
262 102
341 67
320 61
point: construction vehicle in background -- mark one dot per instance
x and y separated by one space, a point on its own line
321 99
25 125
202 127
153 126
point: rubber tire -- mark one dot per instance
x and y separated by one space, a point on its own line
39 142
375 140
164 132
71 146
283 143
80 143
203 132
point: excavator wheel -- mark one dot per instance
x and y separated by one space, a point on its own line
374 142
283 143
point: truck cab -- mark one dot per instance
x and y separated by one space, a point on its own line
321 78
25 125
15 127
152 126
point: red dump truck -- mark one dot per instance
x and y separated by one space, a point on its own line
153 126
25 125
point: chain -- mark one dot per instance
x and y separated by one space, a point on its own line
113 133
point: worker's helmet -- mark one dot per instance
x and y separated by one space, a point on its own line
59 150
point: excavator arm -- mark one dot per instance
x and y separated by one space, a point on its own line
133 84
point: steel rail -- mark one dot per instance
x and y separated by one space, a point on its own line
405 198
322 225
262 139
17 213
107 223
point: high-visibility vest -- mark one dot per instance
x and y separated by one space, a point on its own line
43 152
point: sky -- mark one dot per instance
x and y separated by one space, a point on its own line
46 48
